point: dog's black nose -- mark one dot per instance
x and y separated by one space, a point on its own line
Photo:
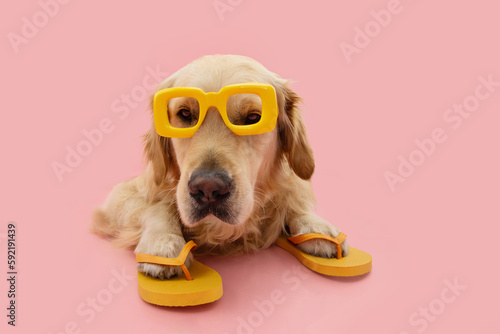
209 187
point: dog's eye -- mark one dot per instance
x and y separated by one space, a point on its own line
252 118
185 114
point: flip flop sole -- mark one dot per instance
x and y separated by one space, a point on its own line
205 287
356 263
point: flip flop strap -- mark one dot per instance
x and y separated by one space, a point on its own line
167 261
338 240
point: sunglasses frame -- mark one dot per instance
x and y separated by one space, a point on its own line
266 92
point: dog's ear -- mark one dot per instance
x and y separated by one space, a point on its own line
292 133
159 151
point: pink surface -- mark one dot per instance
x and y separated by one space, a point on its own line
370 97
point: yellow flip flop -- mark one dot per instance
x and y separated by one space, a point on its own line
201 284
355 264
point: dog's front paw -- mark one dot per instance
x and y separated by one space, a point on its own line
320 247
169 246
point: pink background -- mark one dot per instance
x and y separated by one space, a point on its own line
440 224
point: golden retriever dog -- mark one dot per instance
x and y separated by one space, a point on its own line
228 193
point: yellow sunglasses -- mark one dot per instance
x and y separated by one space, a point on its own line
189 106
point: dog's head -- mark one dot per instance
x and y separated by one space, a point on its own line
218 173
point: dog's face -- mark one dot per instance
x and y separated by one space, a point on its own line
219 173
219 169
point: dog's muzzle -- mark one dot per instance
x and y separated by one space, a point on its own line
210 192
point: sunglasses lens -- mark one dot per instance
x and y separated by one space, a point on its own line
244 109
183 112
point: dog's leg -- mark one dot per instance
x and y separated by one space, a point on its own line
311 223
162 236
